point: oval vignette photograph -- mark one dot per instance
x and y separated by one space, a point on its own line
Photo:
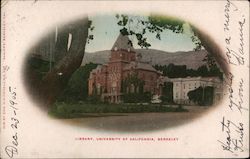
125 72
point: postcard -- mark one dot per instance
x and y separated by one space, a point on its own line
124 79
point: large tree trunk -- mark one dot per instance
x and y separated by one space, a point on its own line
55 81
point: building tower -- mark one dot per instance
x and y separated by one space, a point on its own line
122 53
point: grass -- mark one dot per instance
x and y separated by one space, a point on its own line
77 110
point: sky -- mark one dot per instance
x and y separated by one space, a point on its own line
106 31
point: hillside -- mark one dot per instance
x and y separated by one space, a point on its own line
193 59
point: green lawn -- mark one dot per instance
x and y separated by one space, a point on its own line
77 110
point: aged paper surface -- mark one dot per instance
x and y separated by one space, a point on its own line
27 131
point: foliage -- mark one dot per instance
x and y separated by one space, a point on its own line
155 24
196 40
134 81
212 65
91 28
181 71
144 97
203 71
94 99
77 110
167 22
210 60
133 90
77 87
167 92
215 71
41 67
202 96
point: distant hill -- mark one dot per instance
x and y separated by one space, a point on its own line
193 59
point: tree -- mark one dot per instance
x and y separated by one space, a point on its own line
157 23
203 71
137 94
202 96
215 71
167 92
54 81
210 60
77 87
180 71
134 81
192 73
173 71
153 24
196 95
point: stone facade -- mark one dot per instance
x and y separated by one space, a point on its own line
181 87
